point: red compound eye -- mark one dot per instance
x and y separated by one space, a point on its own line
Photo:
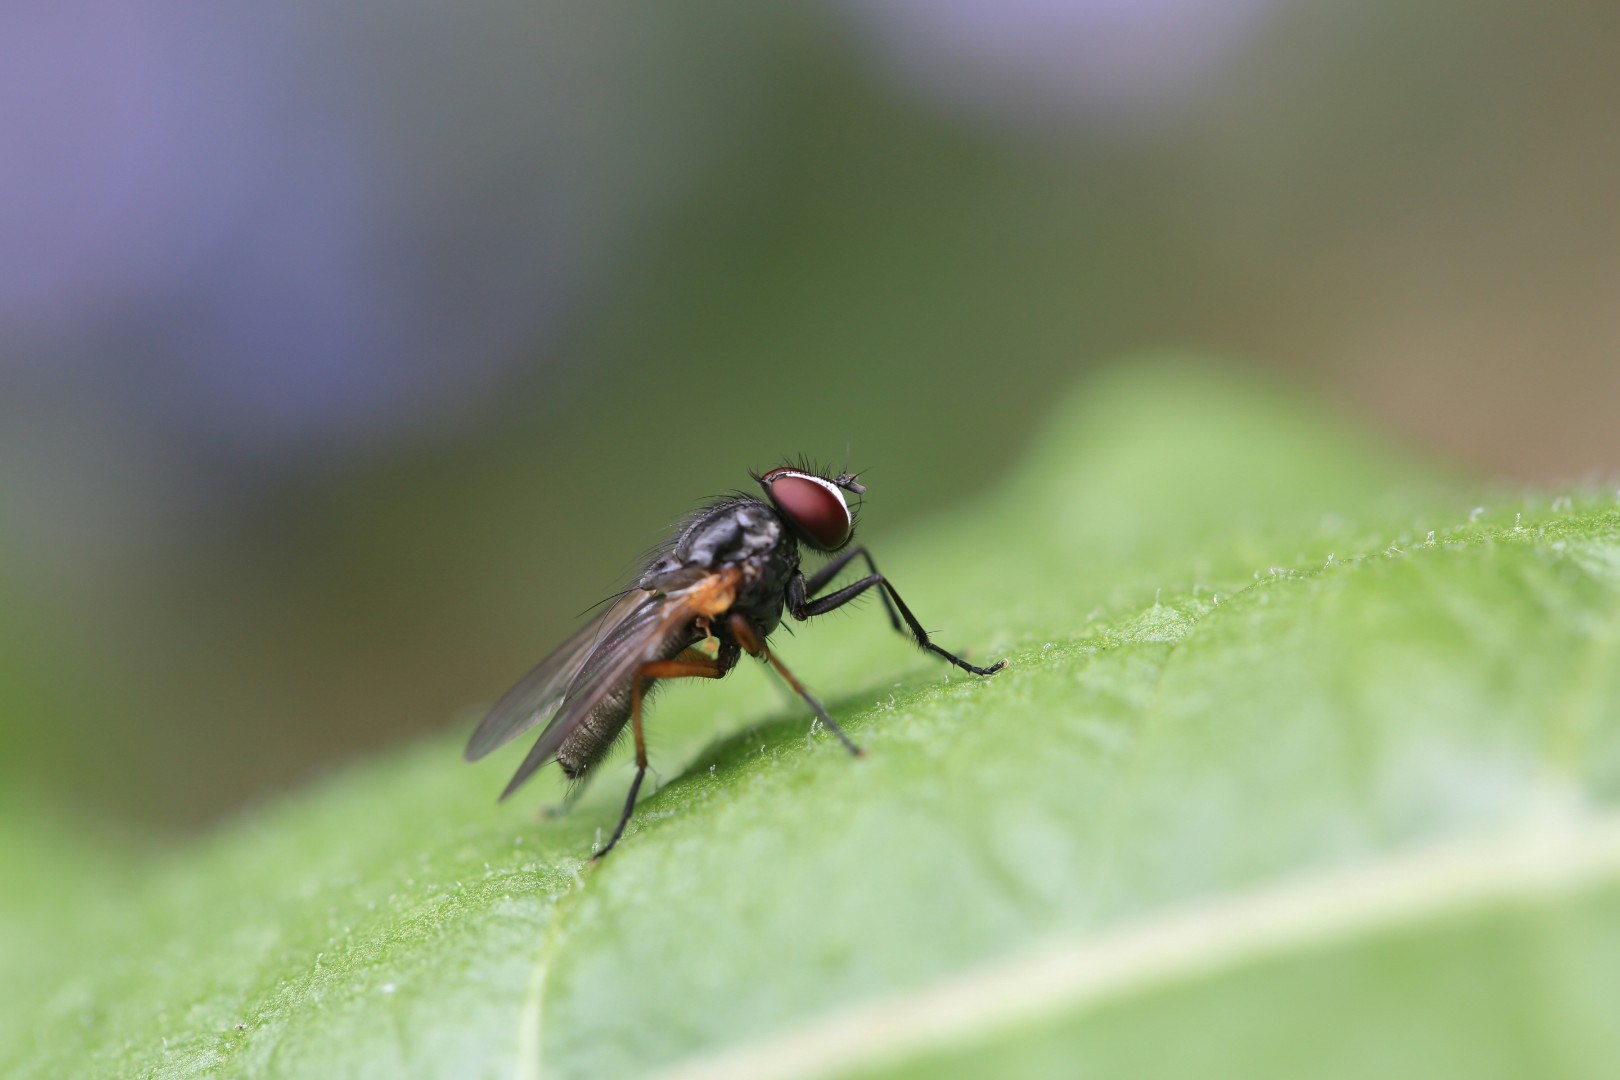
812 503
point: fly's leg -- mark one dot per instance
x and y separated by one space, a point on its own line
749 639
823 577
690 664
803 608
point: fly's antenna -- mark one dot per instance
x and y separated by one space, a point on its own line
847 480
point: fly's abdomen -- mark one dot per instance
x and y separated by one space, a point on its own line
596 734
590 742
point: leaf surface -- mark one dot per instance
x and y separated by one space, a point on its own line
1306 760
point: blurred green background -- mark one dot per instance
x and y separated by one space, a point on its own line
347 355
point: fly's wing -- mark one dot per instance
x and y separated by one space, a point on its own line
647 633
544 688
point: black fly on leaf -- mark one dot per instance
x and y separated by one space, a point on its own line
728 574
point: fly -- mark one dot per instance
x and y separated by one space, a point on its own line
728 573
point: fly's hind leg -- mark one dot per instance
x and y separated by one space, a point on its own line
689 664
754 645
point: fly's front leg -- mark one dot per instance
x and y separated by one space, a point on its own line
823 577
804 608
745 634
689 664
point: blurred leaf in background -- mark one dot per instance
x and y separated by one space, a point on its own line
1305 761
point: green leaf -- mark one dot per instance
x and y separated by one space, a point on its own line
1305 762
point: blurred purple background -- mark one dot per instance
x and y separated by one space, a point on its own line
347 352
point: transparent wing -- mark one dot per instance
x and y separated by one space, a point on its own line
657 628
544 688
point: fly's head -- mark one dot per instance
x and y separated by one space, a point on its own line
813 504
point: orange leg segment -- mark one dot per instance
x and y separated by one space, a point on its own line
688 664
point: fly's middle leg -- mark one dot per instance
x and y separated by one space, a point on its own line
754 645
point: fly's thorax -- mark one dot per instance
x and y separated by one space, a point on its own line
764 587
726 533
